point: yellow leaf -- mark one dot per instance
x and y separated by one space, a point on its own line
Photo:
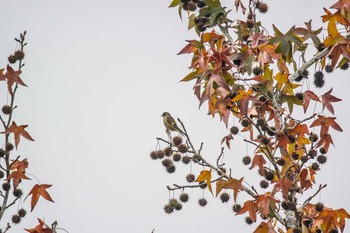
205 175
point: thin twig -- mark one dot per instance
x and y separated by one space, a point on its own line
310 198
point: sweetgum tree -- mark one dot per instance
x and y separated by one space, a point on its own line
13 167
256 81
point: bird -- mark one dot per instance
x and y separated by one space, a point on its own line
170 123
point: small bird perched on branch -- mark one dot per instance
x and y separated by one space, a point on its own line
170 123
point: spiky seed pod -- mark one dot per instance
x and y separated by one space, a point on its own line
334 230
167 162
299 95
328 68
322 159
264 140
263 7
320 47
246 160
6 109
312 153
182 148
269 175
307 223
201 4
185 1
304 158
9 146
16 219
195 1
236 208
297 230
245 122
196 20
190 178
203 20
171 169
257 70
153 155
178 206
173 202
237 62
12 59
225 197
248 220
168 151
192 6
318 230
281 161
323 150
202 202
203 185
168 209
315 166
177 140
264 184
186 159
291 206
22 213
345 66
6 186
299 78
319 206
19 54
319 79
222 172
177 157
234 130
262 98
184 197
313 137
250 23
17 192
185 6
295 156
305 73
201 28
284 205
160 154
2 174
261 121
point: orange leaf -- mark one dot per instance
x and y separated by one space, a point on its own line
265 228
234 184
251 207
41 228
37 191
205 175
13 77
264 202
16 176
259 161
285 185
18 131
327 100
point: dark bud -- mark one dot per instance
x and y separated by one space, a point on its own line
328 68
265 140
9 147
17 192
323 150
281 161
313 137
192 6
201 4
315 166
263 8
16 219
234 130
22 213
2 174
6 109
322 159
264 184
236 208
171 169
184 197
312 153
269 175
304 158
6 186
245 122
202 202
224 197
319 206
262 98
295 156
186 159
177 157
190 178
248 220
168 209
12 59
178 206
246 160
185 1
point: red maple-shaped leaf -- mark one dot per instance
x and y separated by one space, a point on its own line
18 131
327 100
259 161
265 202
307 178
16 177
307 96
325 123
40 228
37 191
251 207
13 77
285 185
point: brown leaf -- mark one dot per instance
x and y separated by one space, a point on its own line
265 228
259 161
251 207
307 96
285 185
37 191
41 228
234 184
18 131
264 202
327 100
13 77
16 176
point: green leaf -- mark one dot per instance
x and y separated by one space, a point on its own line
291 100
191 23
190 76
174 3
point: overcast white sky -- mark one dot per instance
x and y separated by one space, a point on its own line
100 73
